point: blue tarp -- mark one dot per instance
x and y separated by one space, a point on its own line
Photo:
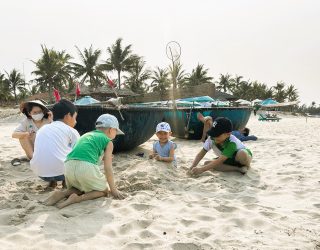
198 99
268 101
86 100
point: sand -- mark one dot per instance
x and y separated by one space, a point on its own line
275 206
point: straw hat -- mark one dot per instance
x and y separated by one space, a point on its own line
24 105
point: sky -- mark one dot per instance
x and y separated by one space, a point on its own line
263 40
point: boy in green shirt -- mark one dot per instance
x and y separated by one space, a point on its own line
233 154
83 177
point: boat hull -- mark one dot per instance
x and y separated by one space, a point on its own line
184 122
138 125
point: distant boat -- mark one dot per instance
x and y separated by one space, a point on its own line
184 122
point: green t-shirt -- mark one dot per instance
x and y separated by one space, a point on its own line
90 147
228 148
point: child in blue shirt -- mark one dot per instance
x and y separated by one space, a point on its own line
163 149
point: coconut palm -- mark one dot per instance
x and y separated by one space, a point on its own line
243 90
53 70
280 93
198 76
136 80
89 67
15 82
160 81
4 89
178 76
121 59
236 81
292 93
224 83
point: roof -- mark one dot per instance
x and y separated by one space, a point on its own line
224 96
105 90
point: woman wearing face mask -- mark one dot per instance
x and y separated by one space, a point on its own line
37 115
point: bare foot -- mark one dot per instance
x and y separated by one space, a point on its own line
73 198
243 170
54 198
200 117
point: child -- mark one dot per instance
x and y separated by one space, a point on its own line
53 143
233 155
84 179
163 149
37 115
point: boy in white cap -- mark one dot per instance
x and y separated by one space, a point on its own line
83 177
233 154
163 149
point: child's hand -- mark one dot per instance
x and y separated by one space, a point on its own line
196 171
117 194
158 157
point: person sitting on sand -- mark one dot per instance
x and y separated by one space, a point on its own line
37 115
53 143
163 149
241 134
233 155
84 179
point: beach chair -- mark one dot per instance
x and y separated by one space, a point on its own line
263 117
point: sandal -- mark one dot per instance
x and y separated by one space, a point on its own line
16 162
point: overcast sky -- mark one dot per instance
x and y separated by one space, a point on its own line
268 41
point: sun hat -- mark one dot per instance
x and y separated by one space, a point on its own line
163 126
24 106
220 126
108 121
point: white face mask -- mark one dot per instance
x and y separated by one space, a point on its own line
37 117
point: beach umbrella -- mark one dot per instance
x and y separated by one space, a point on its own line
268 101
86 101
243 102
256 100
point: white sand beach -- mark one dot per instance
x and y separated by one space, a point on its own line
276 205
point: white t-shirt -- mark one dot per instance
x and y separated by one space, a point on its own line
52 145
28 125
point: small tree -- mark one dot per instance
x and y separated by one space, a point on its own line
16 83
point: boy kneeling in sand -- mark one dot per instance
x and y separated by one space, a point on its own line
233 154
84 179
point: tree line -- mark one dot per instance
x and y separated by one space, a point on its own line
57 69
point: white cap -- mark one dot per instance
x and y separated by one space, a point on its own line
163 126
108 121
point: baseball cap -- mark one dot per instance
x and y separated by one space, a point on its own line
108 121
163 126
220 126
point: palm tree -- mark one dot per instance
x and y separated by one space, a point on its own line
160 81
198 76
280 93
243 90
15 82
53 70
224 83
4 88
292 93
89 67
136 80
120 59
177 74
236 81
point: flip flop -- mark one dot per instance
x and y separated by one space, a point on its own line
16 162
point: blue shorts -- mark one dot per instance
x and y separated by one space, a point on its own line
53 178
